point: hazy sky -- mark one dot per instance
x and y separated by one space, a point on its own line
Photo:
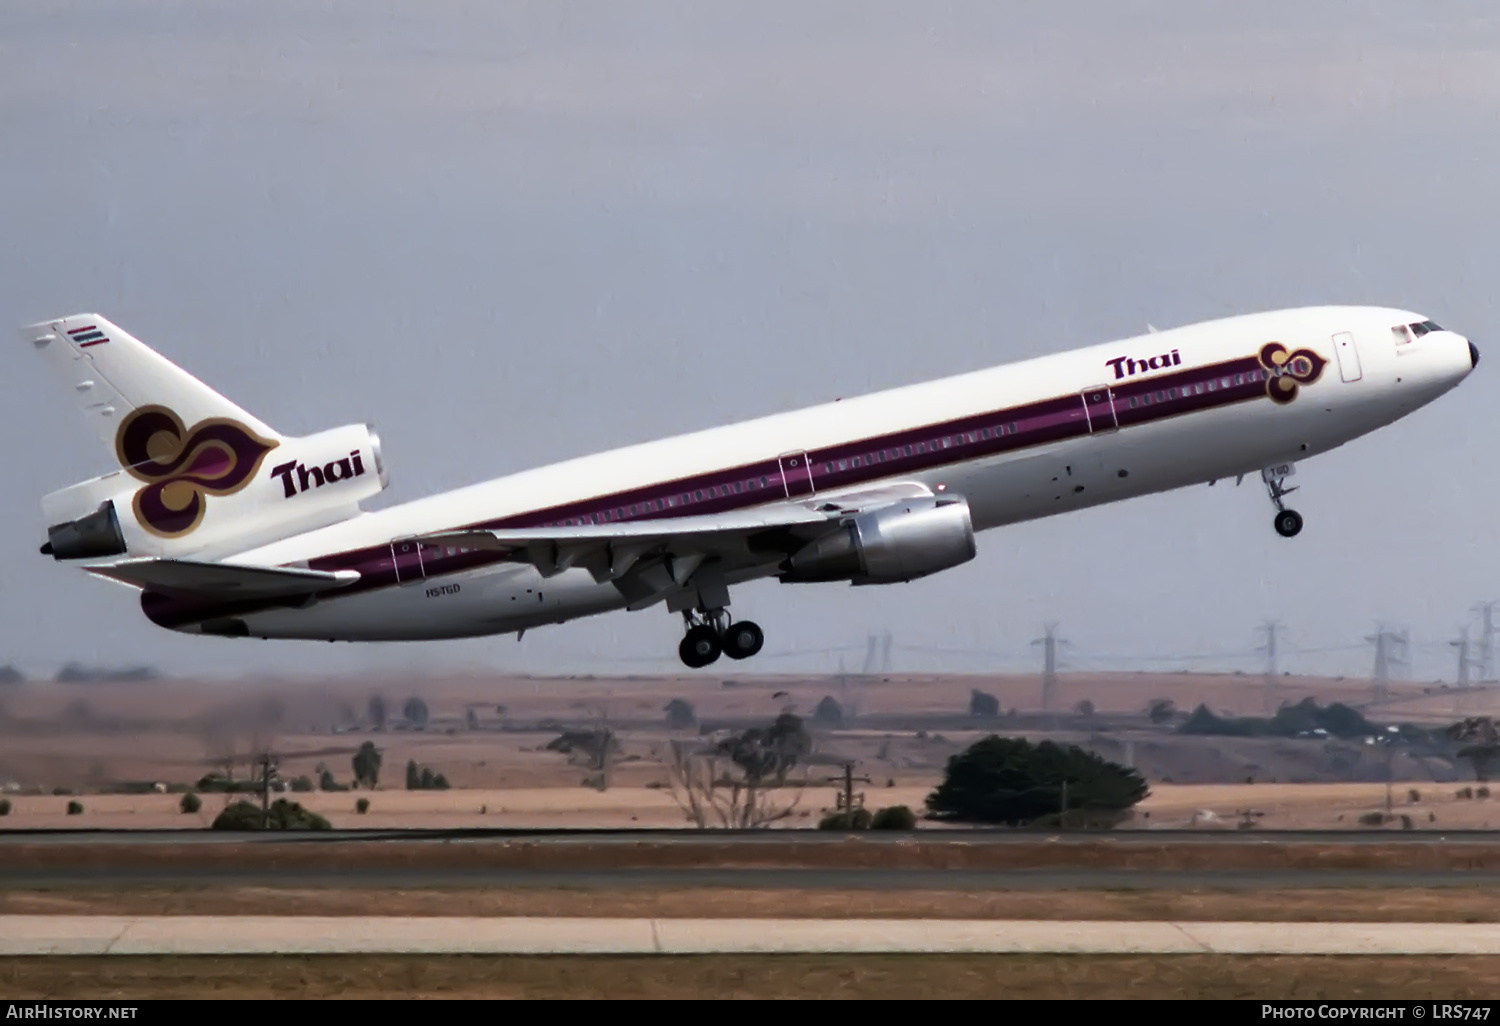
506 234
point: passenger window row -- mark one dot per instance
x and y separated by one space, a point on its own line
875 457
1197 388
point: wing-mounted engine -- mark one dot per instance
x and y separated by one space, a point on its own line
901 542
216 489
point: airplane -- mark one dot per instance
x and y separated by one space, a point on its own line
229 528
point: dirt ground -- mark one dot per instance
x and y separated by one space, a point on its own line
1415 905
1194 977
1039 852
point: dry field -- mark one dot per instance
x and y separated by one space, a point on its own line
488 736
1446 978
565 806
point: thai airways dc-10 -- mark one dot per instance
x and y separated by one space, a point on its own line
229 528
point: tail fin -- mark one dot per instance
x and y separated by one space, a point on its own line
194 474
111 374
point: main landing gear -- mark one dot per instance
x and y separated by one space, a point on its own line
1288 521
710 634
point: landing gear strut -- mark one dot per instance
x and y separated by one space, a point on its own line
1288 521
710 634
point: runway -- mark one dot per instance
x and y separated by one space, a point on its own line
265 935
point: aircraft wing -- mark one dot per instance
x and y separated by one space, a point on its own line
187 579
648 558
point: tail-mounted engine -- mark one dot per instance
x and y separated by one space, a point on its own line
902 542
216 495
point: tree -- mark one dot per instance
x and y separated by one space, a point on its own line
1161 710
1481 743
378 713
1012 781
367 765
745 780
415 711
828 712
983 705
413 776
680 714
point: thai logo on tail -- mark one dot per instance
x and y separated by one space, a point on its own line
1286 370
181 467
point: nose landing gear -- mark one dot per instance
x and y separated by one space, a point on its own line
1288 522
710 634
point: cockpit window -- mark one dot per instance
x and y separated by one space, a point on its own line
1424 327
1402 334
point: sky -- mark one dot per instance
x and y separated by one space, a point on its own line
509 234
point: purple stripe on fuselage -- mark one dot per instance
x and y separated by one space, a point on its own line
836 467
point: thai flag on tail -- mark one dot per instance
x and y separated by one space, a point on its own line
87 336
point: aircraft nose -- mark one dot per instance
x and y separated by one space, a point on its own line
1473 356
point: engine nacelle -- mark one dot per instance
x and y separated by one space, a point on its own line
95 536
911 539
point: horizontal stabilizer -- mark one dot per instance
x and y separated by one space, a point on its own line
219 581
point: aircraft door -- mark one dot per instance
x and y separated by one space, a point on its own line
407 558
1348 356
1099 407
796 474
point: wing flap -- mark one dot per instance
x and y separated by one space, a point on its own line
188 579
741 521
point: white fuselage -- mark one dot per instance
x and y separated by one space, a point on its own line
1020 441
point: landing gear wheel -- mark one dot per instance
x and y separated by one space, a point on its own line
701 646
742 640
1288 523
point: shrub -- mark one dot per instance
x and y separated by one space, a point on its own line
326 782
860 820
1406 823
1372 819
75 808
4 806
1481 792
362 806
62 791
894 817
190 803
1414 796
302 784
282 815
1464 793
1084 708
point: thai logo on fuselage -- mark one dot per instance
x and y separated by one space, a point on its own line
1286 370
